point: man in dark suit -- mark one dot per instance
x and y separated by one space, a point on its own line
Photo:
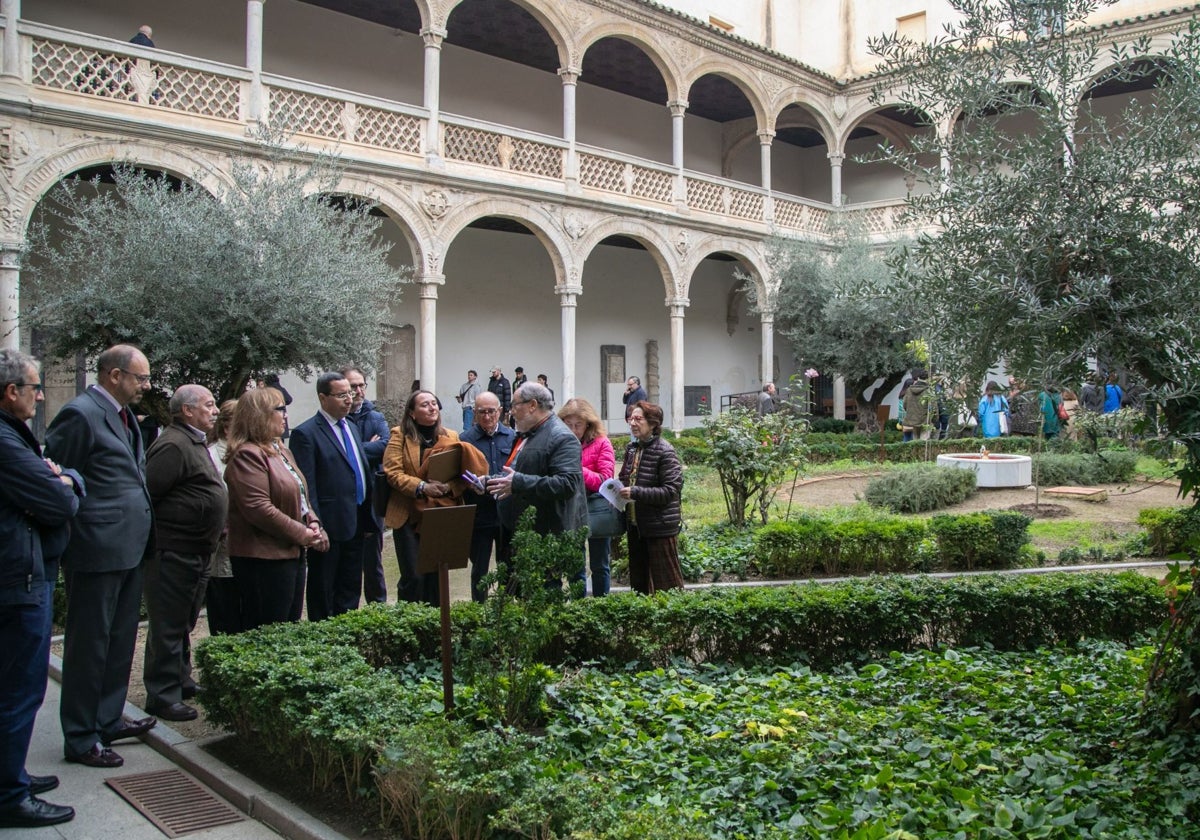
37 500
374 433
330 454
97 435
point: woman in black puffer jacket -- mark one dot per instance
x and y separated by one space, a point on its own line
653 479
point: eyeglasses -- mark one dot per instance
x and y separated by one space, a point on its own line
282 409
487 411
142 378
520 402
362 386
346 395
37 386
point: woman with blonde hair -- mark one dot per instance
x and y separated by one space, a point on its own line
405 461
599 464
271 522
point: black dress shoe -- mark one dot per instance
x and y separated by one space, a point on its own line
129 729
97 756
34 813
192 690
42 784
175 712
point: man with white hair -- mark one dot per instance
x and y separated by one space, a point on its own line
190 503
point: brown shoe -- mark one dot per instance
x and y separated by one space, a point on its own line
97 756
128 729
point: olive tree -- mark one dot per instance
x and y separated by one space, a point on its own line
275 272
1074 235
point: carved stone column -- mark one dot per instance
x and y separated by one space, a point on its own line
567 300
570 82
433 85
765 138
835 177
678 109
427 330
10 296
11 9
677 306
254 53
839 398
768 347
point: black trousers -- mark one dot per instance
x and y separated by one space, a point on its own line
176 584
413 587
335 578
270 591
102 619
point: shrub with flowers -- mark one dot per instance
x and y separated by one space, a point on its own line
752 455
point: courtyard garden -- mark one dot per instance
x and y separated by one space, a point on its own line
892 705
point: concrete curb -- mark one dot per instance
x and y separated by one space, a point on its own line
249 797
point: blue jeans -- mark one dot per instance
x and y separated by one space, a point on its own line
24 657
468 418
598 558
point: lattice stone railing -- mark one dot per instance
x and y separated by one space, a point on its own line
502 151
388 129
340 119
795 215
712 197
616 176
111 75
307 113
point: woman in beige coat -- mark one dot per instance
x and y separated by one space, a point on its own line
405 461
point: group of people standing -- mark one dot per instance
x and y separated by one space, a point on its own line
219 509
554 463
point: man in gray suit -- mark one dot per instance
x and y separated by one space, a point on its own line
97 435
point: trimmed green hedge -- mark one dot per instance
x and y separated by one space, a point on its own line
858 541
920 488
1169 530
1107 467
339 698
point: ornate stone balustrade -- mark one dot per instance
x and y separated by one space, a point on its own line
69 62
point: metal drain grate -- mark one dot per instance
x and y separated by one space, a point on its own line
176 803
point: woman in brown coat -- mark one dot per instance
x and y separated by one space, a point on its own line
653 479
405 461
270 521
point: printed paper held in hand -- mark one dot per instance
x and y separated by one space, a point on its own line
609 491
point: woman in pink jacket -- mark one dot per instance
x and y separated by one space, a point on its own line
599 463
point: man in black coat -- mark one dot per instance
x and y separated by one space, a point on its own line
37 500
545 471
97 435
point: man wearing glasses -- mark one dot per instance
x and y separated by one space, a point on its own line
329 451
544 472
374 433
495 441
37 501
97 435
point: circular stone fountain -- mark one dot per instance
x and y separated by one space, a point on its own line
992 470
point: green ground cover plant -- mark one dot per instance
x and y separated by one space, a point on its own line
738 714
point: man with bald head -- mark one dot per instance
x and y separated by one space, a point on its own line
97 435
190 502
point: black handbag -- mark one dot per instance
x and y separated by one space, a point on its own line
381 493
604 520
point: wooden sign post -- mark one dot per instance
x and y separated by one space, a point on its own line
445 545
